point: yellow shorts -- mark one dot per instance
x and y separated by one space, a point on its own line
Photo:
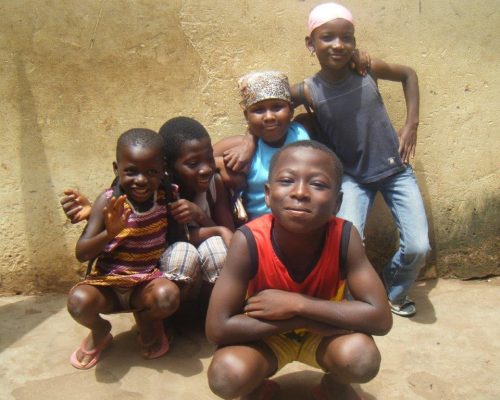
290 346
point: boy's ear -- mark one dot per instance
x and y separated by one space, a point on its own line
266 193
338 203
309 44
245 114
115 168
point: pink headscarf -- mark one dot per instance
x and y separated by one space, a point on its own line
327 12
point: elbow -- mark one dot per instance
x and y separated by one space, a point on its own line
384 325
214 336
81 256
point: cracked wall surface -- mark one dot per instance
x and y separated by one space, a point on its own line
77 74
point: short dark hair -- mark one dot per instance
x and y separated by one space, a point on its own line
138 137
313 144
177 131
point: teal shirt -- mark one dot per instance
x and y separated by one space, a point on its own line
259 170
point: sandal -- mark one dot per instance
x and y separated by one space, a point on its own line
405 309
164 343
95 353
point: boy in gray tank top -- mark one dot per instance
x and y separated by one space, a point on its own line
353 122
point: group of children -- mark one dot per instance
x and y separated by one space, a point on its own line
281 280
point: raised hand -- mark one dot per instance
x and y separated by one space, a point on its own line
75 205
116 215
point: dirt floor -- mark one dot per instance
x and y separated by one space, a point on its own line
449 350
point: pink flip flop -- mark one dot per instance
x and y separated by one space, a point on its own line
164 344
96 353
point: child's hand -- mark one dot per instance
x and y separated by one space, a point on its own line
238 157
271 304
407 142
360 62
115 215
185 211
75 205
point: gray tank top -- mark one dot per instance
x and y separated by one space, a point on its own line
356 126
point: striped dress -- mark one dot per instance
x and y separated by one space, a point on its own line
132 257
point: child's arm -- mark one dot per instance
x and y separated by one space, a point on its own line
221 211
360 62
75 205
226 323
236 151
409 80
107 219
368 312
199 235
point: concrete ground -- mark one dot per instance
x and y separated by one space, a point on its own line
449 350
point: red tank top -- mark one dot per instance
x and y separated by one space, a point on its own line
324 280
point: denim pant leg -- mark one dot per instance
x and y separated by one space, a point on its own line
403 197
356 202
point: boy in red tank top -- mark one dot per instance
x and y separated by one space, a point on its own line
280 295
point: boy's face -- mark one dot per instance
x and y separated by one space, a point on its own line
140 171
303 190
269 119
333 43
195 166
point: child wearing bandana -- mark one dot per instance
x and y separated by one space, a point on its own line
376 158
267 107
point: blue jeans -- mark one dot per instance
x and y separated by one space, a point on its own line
401 193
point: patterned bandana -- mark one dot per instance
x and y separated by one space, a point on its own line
327 12
259 86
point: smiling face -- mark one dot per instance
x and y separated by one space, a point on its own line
140 171
269 120
195 166
303 189
334 43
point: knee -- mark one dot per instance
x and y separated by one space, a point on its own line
78 303
359 359
226 376
417 252
167 298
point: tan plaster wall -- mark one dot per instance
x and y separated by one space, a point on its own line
75 74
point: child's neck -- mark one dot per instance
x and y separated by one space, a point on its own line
143 206
334 75
277 143
299 253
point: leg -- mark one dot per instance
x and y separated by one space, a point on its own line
180 263
352 358
356 202
156 301
212 253
403 197
85 304
241 370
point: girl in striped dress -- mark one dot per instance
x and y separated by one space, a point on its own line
126 234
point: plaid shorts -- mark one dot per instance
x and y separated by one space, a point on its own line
182 262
